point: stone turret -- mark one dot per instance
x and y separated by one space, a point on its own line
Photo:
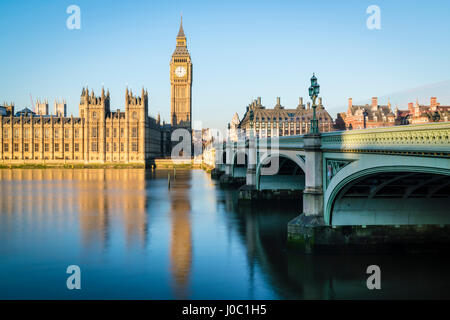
61 108
42 108
300 106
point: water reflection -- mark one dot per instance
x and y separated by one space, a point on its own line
332 276
46 196
180 240
136 238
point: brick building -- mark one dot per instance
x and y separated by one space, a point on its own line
418 113
366 116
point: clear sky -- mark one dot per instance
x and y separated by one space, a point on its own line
240 50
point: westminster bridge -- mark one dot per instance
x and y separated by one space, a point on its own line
357 186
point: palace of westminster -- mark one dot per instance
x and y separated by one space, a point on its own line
101 135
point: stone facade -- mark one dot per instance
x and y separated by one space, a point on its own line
283 122
61 108
98 135
234 128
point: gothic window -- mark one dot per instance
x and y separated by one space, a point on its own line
94 147
6 133
122 149
134 147
16 147
94 115
115 147
26 133
56 147
16 133
25 147
134 115
66 147
56 133
66 133
134 132
46 132
94 132
115 133
36 147
121 132
107 147
46 147
36 133
107 132
77 147
6 147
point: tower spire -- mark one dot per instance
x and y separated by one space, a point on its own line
181 31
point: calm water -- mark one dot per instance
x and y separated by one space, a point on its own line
133 238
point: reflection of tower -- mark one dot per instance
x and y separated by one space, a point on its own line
181 241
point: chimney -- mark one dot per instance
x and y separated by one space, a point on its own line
300 101
259 101
374 102
278 101
350 102
309 105
320 101
433 102
411 107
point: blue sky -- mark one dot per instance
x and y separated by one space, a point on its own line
240 50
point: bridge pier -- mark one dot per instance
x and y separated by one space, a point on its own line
251 169
218 171
227 178
301 230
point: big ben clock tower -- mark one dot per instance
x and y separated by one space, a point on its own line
181 84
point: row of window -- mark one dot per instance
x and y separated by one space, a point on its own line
94 133
286 119
26 147
37 133
134 132
94 147
94 114
303 124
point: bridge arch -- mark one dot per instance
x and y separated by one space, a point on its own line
290 172
240 164
398 191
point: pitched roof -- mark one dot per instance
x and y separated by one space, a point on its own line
181 31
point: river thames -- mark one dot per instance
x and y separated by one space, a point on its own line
135 238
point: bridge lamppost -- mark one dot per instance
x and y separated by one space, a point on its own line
314 91
365 114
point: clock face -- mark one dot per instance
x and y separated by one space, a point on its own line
180 72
